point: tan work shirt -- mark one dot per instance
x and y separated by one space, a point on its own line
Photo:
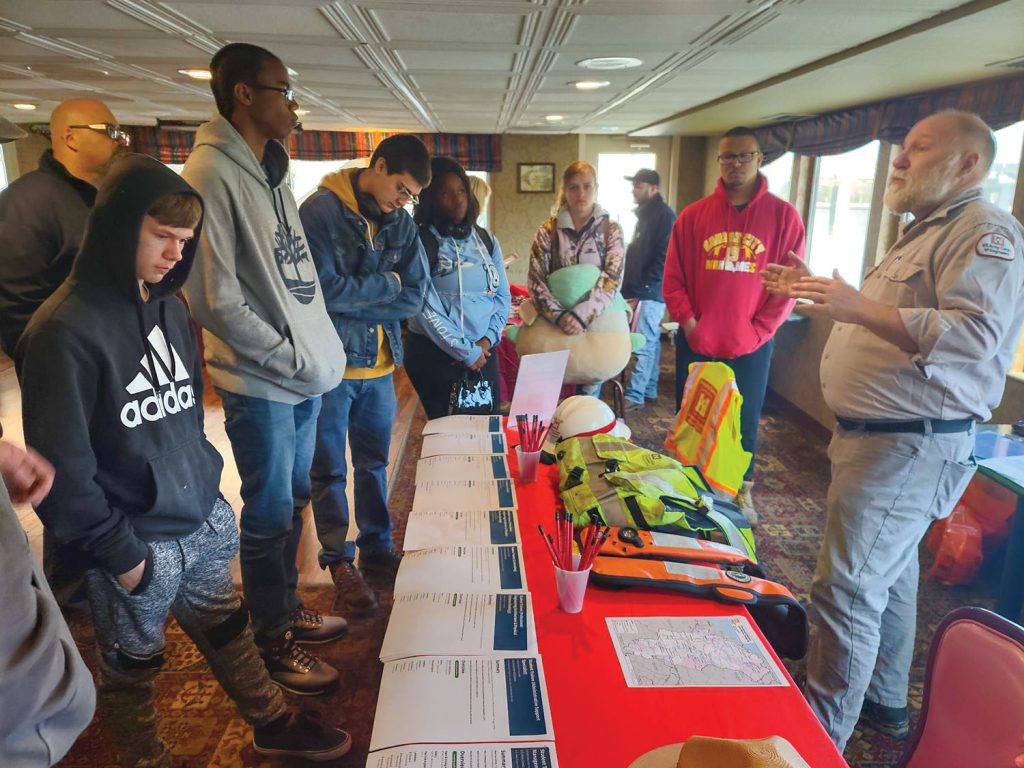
958 278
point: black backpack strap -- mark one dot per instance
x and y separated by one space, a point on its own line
430 245
486 237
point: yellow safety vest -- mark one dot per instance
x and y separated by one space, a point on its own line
707 430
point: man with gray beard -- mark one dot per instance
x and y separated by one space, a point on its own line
915 358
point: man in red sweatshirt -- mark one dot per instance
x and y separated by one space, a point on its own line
719 246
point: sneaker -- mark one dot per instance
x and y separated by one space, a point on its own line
892 721
380 568
295 669
632 406
311 626
297 735
745 501
355 597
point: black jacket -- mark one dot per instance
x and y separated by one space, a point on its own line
645 257
42 218
118 413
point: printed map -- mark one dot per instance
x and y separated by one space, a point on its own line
670 652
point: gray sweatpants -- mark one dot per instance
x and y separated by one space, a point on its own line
886 490
191 580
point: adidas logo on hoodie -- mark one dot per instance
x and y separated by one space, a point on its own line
157 403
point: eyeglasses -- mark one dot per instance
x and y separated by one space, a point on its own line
288 93
742 157
113 132
405 194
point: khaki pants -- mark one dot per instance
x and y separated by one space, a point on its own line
886 490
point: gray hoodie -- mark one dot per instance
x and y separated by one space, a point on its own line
254 287
46 692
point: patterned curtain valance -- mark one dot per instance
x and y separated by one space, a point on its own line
998 102
475 152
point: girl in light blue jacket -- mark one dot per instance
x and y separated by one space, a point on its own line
468 299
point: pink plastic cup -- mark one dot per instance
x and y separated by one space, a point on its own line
528 461
572 587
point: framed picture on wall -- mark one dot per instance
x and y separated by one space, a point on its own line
535 177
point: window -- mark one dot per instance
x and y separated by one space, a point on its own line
483 220
999 187
304 175
780 175
614 193
3 169
842 205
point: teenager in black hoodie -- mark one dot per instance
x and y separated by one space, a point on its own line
112 396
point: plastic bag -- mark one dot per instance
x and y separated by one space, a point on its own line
956 544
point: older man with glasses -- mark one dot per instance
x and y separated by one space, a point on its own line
43 213
718 248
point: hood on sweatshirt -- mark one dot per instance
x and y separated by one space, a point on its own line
344 184
106 259
220 134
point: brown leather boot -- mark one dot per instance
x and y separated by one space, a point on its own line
355 597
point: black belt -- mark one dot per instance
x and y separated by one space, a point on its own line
921 427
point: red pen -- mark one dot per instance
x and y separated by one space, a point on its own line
547 543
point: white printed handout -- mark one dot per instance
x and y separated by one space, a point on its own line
466 444
460 623
431 699
457 424
681 652
441 528
461 569
494 467
518 755
464 494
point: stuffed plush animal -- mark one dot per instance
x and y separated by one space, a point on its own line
598 354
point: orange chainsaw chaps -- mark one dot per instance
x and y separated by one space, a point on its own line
650 545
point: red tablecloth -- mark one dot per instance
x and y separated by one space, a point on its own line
598 721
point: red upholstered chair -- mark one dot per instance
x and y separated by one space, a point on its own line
973 710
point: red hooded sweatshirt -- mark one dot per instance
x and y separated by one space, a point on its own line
712 270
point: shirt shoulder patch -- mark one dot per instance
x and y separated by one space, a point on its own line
995 245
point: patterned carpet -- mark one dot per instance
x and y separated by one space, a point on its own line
204 728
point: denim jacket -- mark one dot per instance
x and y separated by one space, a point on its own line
484 301
358 275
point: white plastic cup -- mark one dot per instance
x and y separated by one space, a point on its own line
572 587
528 461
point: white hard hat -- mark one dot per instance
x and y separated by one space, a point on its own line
582 416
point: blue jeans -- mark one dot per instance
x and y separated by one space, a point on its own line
751 371
364 411
644 381
273 447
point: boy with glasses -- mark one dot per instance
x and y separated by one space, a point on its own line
271 350
374 275
718 248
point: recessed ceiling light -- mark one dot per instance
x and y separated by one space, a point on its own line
197 74
26 107
301 111
610 128
609 62
590 85
554 118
